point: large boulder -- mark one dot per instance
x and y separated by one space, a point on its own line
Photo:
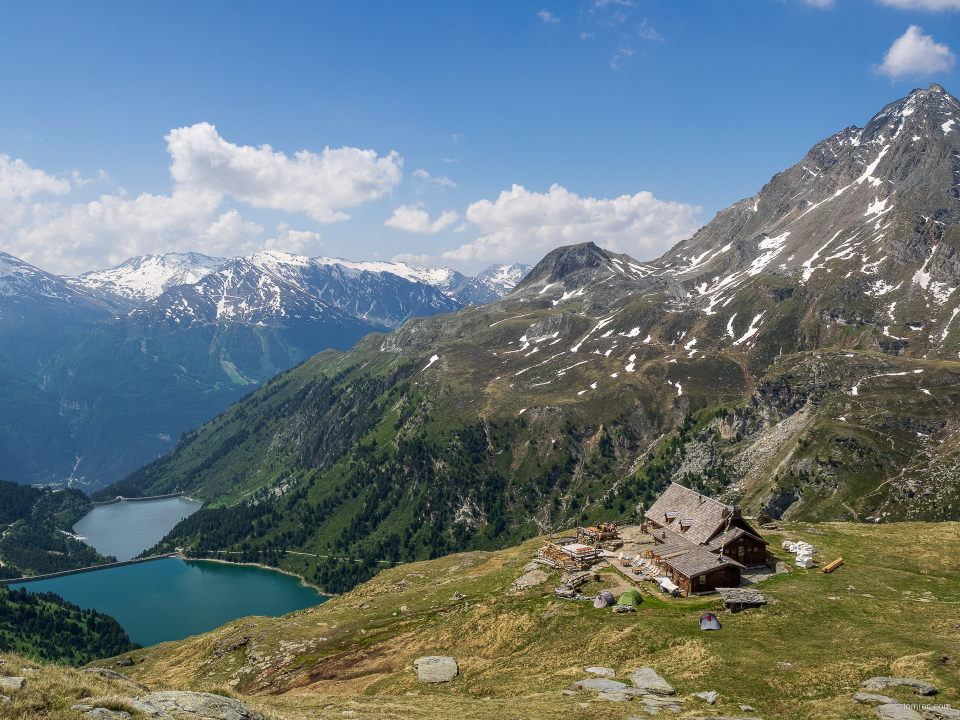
647 680
436 669
182 705
882 683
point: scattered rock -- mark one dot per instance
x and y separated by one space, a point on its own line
897 711
882 683
649 709
871 699
13 683
604 671
710 697
614 696
458 596
600 685
81 706
363 606
126 662
646 679
229 644
29 669
190 705
570 692
436 669
105 714
403 608
111 675
4 698
747 708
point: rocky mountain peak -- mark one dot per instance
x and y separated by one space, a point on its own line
565 261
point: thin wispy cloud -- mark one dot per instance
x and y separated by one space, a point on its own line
548 17
934 5
646 31
586 36
915 55
619 55
422 179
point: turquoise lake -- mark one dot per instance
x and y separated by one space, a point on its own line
126 529
168 599
172 599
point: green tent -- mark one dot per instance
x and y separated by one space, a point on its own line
630 597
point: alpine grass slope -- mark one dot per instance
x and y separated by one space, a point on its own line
798 355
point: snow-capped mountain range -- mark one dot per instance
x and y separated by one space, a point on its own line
386 293
115 364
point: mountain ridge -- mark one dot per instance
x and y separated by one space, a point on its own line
763 360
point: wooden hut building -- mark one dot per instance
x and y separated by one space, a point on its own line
690 530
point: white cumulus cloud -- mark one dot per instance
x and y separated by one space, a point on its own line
522 226
19 183
413 218
318 184
914 54
72 238
548 17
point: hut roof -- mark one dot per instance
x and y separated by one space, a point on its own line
700 561
679 503
733 534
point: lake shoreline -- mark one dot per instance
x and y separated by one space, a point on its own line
302 580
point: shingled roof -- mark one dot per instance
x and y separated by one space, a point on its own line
708 515
700 561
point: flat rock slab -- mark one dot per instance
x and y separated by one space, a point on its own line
112 675
871 699
897 711
646 679
12 683
105 714
615 696
600 685
882 683
436 669
182 705
605 672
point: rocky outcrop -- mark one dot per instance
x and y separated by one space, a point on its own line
12 683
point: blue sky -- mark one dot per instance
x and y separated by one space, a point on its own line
617 120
